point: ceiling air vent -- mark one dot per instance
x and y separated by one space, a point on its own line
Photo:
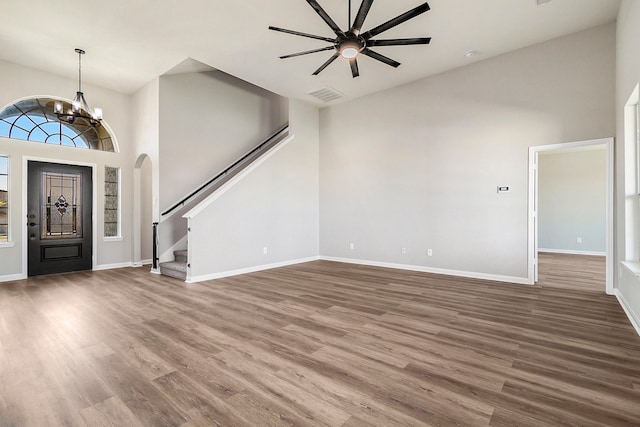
326 94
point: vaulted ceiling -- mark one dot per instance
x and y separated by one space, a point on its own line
129 43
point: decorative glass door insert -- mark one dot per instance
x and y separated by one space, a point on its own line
60 218
61 205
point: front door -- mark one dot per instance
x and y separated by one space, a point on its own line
59 213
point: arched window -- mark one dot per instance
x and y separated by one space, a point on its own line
33 119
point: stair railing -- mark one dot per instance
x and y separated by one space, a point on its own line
155 260
228 172
265 144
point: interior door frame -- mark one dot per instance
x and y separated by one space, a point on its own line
94 222
533 204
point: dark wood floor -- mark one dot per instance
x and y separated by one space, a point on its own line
566 271
315 344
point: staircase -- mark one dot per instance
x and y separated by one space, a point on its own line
176 268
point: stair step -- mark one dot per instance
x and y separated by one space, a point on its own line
175 269
180 256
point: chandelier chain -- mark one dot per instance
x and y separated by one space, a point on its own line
80 52
79 72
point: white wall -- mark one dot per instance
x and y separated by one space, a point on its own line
274 206
19 82
207 121
146 141
572 201
146 211
627 78
146 133
417 167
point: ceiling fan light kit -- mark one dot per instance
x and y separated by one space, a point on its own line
351 43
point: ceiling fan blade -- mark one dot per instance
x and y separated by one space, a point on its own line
380 58
354 67
298 33
396 21
325 17
326 64
399 42
361 16
307 52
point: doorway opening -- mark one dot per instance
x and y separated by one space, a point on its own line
534 212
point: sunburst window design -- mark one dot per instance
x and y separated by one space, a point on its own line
34 119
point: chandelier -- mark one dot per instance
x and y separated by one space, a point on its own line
79 107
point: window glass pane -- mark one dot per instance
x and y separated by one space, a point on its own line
66 130
53 139
4 199
18 133
38 119
38 135
79 142
51 127
111 204
4 128
67 141
24 123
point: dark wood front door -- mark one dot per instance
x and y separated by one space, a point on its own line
59 215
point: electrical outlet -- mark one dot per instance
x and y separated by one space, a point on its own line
352 246
579 240
429 252
403 250
265 250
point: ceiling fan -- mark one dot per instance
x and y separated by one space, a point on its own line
349 44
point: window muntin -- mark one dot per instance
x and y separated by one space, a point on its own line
34 120
111 202
4 199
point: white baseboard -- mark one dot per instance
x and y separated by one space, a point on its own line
634 318
113 266
12 277
422 269
572 252
213 276
141 263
